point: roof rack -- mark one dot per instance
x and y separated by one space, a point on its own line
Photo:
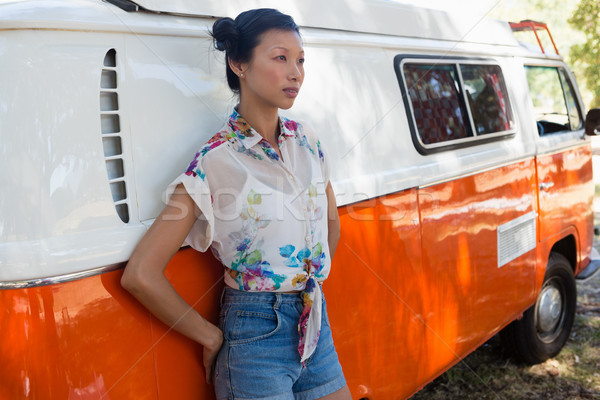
533 26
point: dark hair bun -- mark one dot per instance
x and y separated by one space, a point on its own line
225 34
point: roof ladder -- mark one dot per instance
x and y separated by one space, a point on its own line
534 26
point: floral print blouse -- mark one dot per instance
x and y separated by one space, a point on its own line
264 216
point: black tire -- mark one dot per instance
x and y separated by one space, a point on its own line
546 326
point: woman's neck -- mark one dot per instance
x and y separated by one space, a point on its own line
265 120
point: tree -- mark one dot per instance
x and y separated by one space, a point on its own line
586 18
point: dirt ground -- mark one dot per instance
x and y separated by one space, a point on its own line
488 373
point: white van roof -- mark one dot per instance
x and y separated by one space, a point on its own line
385 17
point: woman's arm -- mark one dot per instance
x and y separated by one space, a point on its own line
333 221
144 276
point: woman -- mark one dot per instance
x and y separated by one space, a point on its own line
258 194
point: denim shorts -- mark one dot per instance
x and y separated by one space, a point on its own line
259 358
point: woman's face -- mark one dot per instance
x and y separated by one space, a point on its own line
275 73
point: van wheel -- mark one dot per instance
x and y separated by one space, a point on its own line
545 327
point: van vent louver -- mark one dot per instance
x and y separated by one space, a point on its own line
111 134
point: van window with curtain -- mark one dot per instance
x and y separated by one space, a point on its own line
437 104
488 98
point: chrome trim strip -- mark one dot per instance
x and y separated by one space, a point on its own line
552 151
52 280
478 171
568 146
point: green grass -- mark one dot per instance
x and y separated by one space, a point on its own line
488 373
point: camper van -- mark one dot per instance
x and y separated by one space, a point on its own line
459 159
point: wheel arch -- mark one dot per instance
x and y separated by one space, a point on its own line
567 247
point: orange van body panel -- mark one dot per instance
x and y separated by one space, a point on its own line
89 338
377 295
567 204
459 221
79 340
198 278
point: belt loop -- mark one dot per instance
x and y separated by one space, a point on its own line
277 301
222 297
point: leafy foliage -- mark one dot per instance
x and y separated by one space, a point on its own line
586 18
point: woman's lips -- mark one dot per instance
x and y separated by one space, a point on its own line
291 92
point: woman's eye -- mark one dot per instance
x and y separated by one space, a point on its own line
282 58
301 61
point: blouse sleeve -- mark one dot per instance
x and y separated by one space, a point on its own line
200 236
321 151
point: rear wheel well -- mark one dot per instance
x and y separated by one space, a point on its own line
567 247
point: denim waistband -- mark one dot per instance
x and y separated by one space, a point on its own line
230 296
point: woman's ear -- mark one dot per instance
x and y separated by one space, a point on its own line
237 67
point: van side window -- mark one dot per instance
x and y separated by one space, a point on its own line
554 102
436 101
575 120
455 103
487 97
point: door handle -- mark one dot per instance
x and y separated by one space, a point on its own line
546 185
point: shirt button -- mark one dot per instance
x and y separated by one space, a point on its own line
307 239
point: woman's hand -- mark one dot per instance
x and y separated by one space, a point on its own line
210 353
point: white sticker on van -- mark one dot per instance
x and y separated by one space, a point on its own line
516 238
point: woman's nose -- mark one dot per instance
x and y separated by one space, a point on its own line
295 73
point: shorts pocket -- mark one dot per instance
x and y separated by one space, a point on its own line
251 326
